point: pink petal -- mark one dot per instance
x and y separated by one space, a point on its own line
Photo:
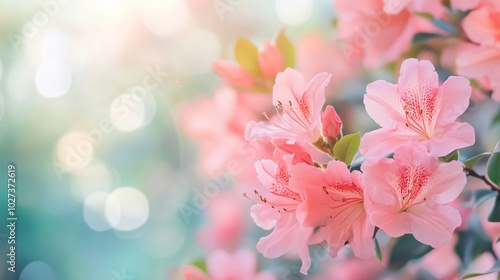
382 103
300 154
264 216
271 61
265 130
433 226
315 93
464 5
234 74
475 61
289 86
448 181
193 273
282 239
308 180
454 95
480 28
332 124
361 242
383 141
451 137
415 74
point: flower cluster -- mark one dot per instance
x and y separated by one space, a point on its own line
402 186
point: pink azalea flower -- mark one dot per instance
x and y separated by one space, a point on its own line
276 208
221 265
234 74
410 193
481 59
380 37
418 109
334 199
298 106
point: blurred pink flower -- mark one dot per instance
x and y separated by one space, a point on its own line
299 108
442 263
221 265
351 269
317 54
418 109
270 61
218 125
333 199
464 5
276 208
481 58
380 37
225 217
434 8
411 193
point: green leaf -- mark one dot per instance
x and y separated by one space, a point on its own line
450 157
201 264
475 159
405 249
496 119
494 268
247 56
286 48
377 249
345 149
425 15
422 37
493 167
495 212
481 195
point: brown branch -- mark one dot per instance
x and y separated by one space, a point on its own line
472 173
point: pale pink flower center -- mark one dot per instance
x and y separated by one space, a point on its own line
280 188
419 105
345 200
411 183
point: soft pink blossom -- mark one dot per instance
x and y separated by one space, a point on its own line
332 124
481 58
277 208
225 222
217 124
365 28
417 109
351 269
221 265
234 74
299 106
442 263
464 5
270 62
316 54
334 201
411 193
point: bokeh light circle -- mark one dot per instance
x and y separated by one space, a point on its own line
37 271
95 177
194 52
94 211
294 12
133 109
74 151
163 18
53 79
127 209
